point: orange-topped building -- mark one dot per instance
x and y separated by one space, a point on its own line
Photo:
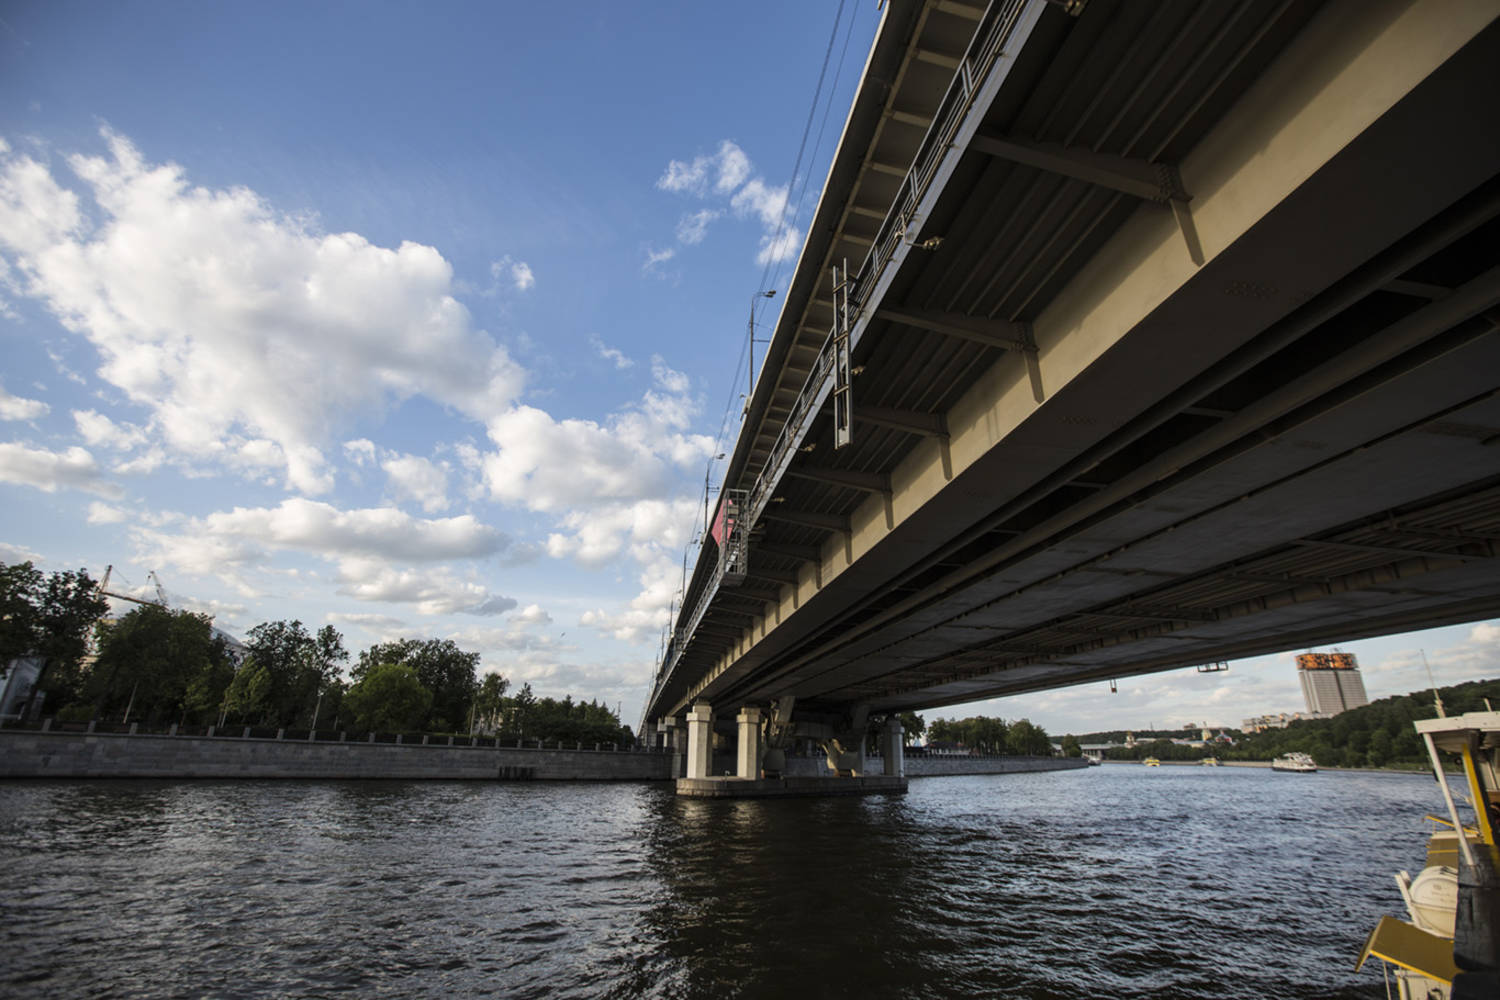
1331 682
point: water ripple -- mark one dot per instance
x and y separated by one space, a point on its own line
1116 881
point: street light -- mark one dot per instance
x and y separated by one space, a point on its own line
750 387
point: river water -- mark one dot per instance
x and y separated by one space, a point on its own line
1115 881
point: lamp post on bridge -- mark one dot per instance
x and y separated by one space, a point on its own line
750 364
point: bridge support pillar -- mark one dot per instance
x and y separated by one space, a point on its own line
893 747
747 761
700 748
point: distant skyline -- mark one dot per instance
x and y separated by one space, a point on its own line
431 321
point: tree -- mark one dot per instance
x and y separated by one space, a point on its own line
912 726
20 583
1071 747
490 701
1027 738
297 665
388 697
521 708
49 617
249 694
166 664
444 669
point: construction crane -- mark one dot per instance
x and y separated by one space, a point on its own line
161 593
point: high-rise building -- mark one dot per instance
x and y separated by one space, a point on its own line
1330 682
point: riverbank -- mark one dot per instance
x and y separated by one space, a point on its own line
31 753
1404 769
37 754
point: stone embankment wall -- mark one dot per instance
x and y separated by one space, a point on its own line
933 767
33 754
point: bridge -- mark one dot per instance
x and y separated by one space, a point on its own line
1127 336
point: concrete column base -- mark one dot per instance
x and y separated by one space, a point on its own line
747 758
700 750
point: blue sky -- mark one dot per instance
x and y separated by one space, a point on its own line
424 320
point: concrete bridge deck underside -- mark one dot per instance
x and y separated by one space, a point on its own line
1267 417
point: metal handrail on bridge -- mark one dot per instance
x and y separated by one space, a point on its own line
984 51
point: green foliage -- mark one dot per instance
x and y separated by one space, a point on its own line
248 696
912 726
20 585
166 665
489 703
51 617
1027 738
1071 747
564 720
388 697
444 669
297 665
989 735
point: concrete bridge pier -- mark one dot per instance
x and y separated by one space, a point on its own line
674 740
748 754
893 747
700 740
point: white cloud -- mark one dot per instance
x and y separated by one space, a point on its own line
517 272
144 463
98 431
748 197
1473 658
383 532
377 622
691 229
17 408
643 528
365 545
765 203
649 612
361 451
532 614
611 354
684 178
50 471
672 381
17 554
774 248
733 167
432 591
420 480
655 258
729 166
103 513
231 321
572 465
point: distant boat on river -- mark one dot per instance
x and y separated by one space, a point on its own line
1294 761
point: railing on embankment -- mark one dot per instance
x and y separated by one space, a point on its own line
244 752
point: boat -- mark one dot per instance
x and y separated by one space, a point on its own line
1449 949
1294 761
1210 762
1093 761
1151 762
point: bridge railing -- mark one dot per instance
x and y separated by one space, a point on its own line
985 49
